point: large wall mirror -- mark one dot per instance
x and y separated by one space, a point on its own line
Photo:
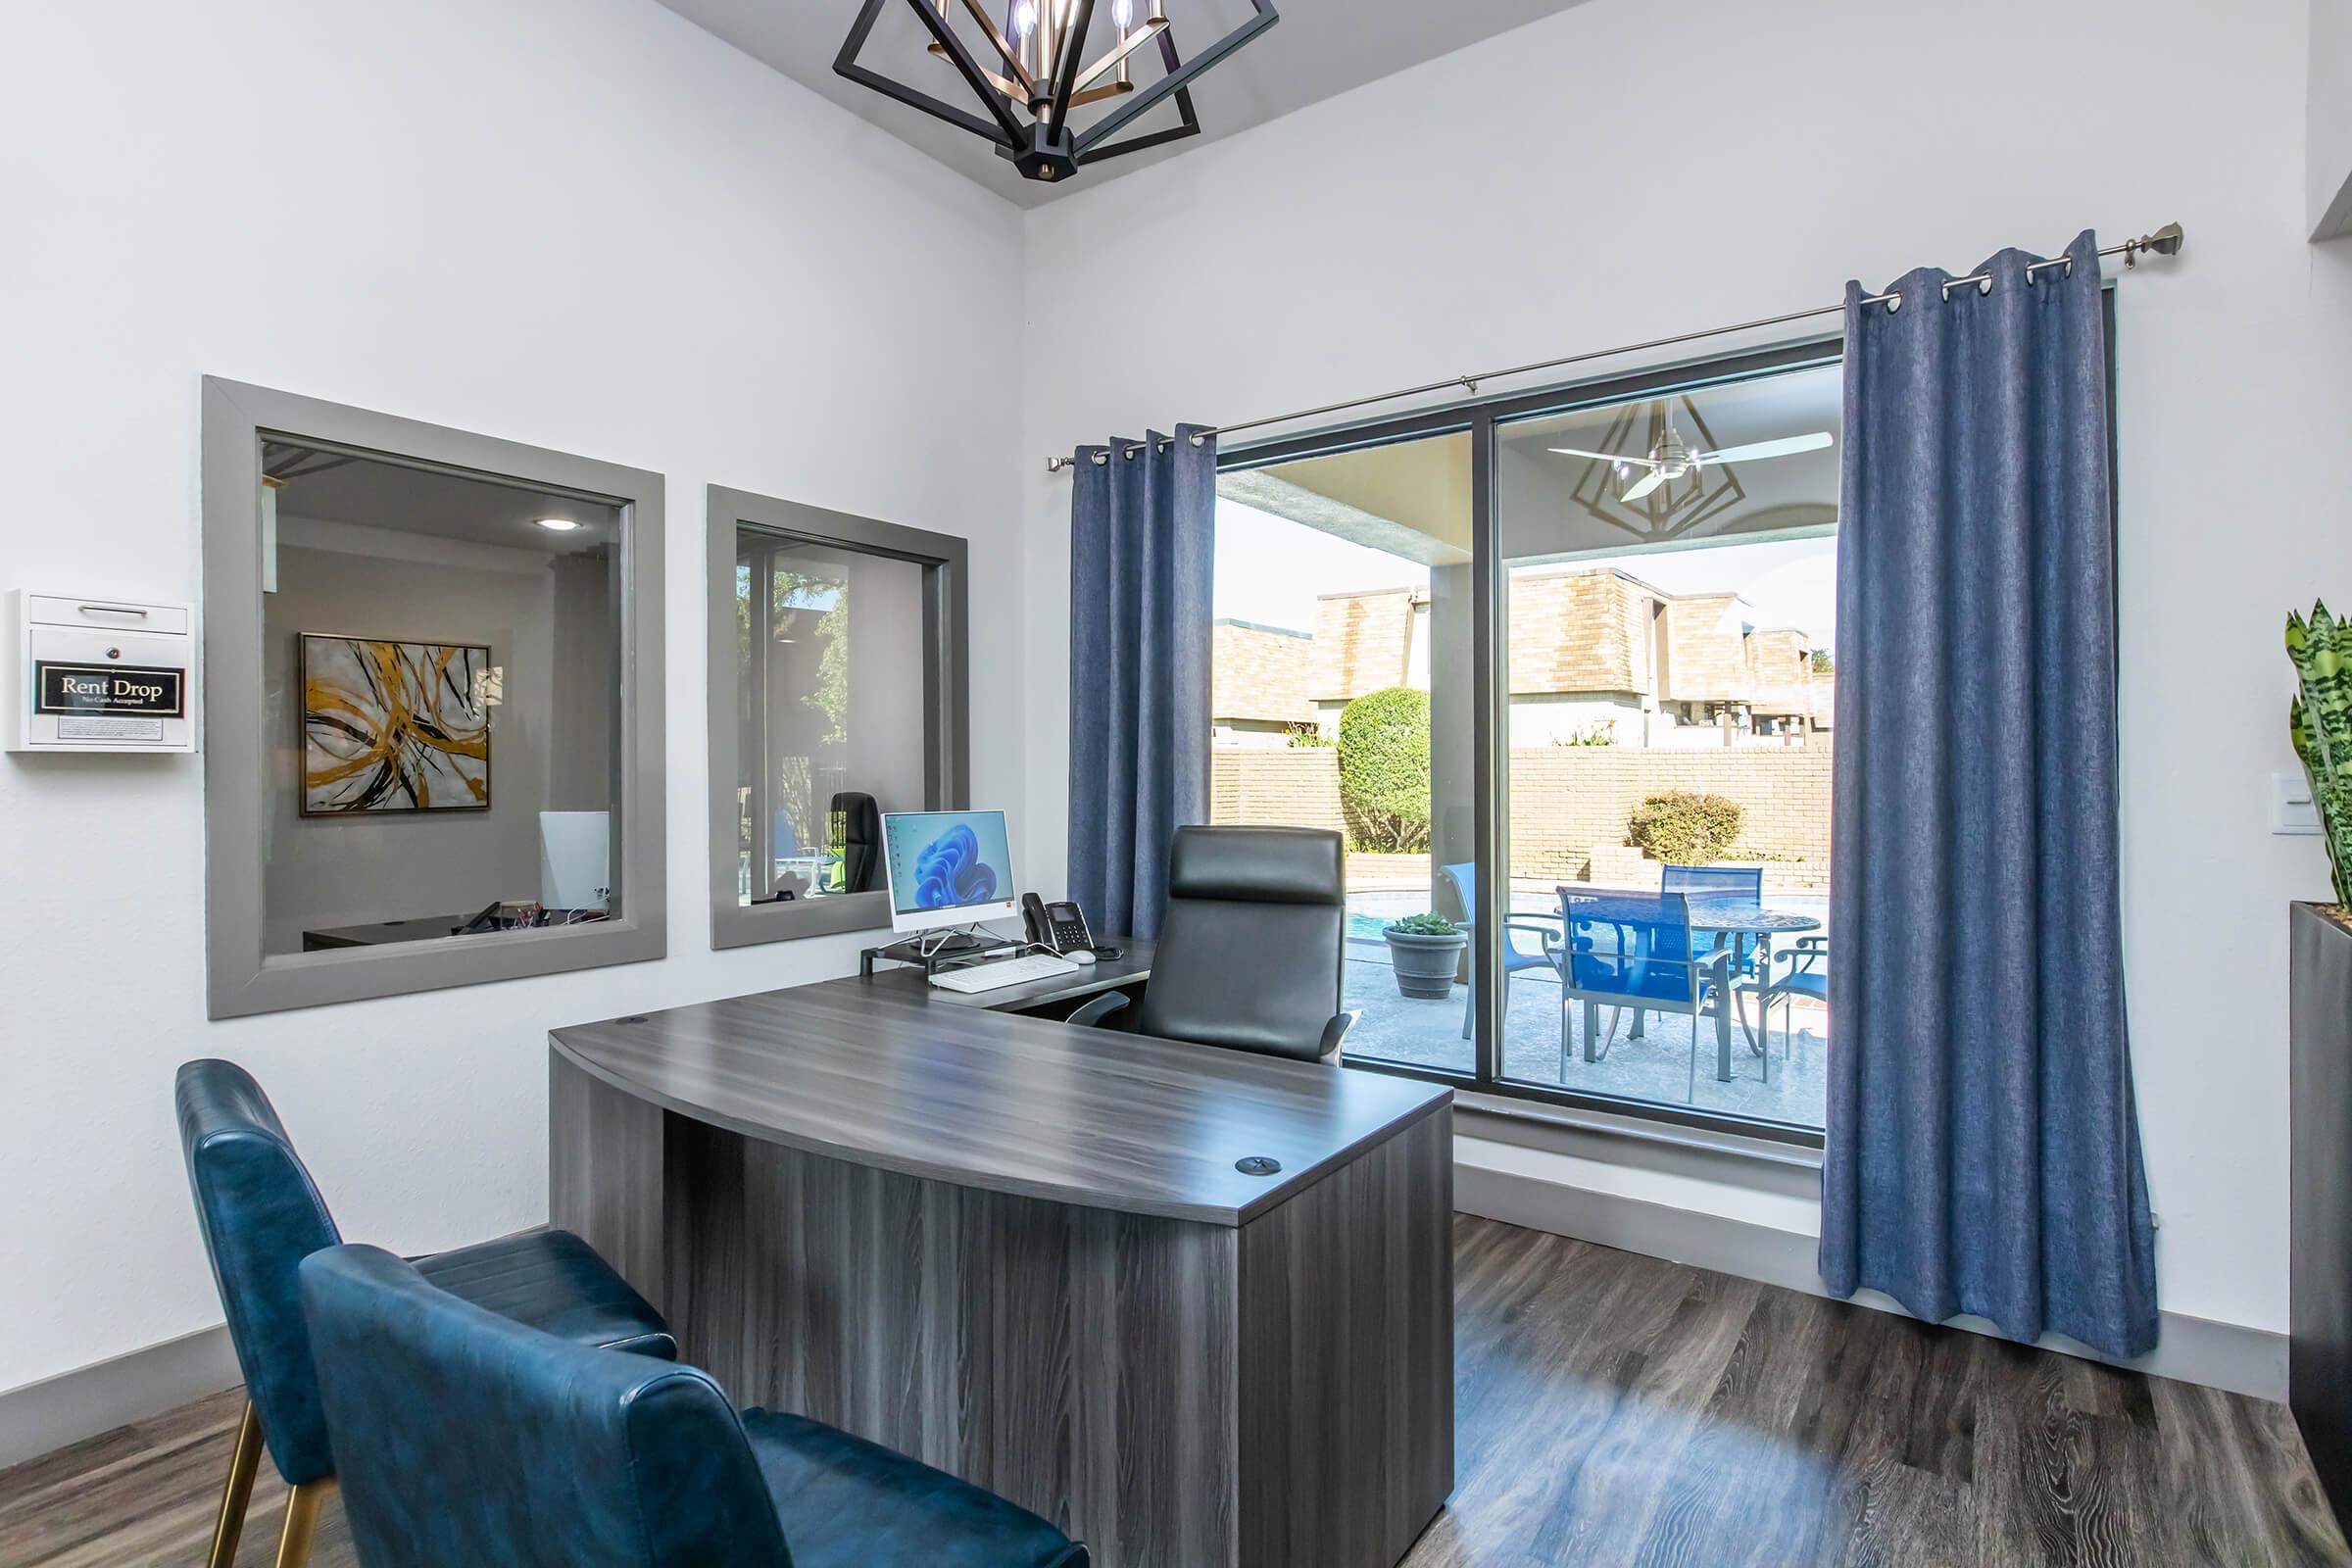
433 727
837 694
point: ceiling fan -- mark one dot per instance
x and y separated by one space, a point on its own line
1670 460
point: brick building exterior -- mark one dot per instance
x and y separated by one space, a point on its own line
1593 651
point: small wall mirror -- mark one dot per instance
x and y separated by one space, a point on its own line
836 696
428 656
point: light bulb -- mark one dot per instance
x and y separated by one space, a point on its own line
1123 12
1024 18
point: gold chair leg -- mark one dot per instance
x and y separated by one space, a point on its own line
302 1522
244 1462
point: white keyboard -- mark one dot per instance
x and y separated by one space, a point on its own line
1004 972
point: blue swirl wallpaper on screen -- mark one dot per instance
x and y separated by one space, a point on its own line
949 859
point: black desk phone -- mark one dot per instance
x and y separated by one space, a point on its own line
1061 928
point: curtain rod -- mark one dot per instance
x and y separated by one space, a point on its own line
2164 241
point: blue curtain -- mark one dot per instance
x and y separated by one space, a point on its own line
1143 552
1984 1148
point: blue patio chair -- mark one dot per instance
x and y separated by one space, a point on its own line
1807 976
1735 881
1462 878
1627 949
1743 884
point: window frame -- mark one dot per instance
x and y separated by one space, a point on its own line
1482 416
242 979
947 709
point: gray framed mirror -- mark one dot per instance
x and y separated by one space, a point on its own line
433 722
837 687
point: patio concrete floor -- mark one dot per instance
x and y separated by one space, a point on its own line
1660 1068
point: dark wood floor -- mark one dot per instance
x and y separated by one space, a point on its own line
1612 1409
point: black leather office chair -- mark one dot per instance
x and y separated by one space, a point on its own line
1251 950
857 826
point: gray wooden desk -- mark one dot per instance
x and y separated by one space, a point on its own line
1022 1253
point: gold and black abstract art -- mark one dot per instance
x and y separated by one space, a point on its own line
395 727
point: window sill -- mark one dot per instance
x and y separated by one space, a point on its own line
1633 1139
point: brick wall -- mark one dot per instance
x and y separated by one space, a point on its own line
1269 787
1566 799
1363 643
1259 672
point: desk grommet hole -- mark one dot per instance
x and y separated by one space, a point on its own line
636 1017
1258 1165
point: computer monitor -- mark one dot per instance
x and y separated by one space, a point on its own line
946 869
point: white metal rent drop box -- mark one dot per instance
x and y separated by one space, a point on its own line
87 673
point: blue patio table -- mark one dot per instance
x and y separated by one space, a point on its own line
1741 919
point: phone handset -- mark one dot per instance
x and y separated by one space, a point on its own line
1057 927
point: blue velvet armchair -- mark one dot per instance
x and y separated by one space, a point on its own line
465 1440
260 1215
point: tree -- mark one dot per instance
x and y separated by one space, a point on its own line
1384 769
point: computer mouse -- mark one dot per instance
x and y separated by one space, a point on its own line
1080 956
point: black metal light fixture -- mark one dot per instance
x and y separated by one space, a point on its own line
1042 47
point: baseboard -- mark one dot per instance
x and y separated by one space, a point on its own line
2192 1349
42 1417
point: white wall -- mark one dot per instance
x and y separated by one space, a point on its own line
581 224
1604 176
2328 173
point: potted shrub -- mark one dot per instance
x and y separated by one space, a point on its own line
1425 951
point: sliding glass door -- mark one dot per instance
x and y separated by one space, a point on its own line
1562 667
1668 615
1342 694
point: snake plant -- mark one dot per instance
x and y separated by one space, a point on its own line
2321 722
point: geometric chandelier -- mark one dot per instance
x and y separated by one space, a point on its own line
1031 72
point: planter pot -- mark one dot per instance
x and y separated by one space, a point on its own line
2320 1191
1425 965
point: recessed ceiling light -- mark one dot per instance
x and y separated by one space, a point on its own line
558 524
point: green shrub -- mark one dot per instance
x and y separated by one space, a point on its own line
1424 925
1384 770
1683 827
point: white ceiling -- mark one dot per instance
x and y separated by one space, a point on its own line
1319 49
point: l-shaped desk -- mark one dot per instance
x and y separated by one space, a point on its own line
1024 1253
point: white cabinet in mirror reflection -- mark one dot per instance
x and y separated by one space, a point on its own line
575 850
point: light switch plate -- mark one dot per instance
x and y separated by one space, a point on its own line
2291 808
